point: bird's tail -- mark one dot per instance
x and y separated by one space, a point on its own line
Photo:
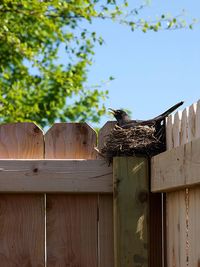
170 110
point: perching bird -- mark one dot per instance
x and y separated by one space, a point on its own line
124 121
122 117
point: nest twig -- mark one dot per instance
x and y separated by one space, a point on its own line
143 140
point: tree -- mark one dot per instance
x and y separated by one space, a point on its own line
34 86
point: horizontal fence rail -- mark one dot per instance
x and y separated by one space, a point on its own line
176 168
71 176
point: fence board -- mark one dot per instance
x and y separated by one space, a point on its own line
176 169
22 216
170 209
183 209
175 201
169 199
106 243
21 141
169 131
197 120
106 249
55 176
104 132
70 141
193 195
61 249
71 230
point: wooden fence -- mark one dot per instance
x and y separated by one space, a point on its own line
62 205
56 201
177 172
58 228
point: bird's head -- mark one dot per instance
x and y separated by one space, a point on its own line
120 115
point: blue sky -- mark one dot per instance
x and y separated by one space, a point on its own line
152 71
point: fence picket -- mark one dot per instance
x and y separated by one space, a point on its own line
176 206
169 132
22 230
194 195
78 245
171 199
103 133
184 201
197 120
106 250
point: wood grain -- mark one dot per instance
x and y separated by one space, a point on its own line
104 132
76 213
21 141
55 176
70 141
176 169
71 230
183 200
106 235
22 230
174 202
194 193
131 184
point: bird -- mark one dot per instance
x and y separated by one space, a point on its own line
124 121
122 117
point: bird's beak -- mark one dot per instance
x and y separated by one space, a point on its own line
112 111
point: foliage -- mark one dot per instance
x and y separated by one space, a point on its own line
34 85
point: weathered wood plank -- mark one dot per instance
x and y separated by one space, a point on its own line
197 120
104 132
193 195
176 215
176 204
131 184
22 224
168 232
106 232
72 230
76 213
176 168
22 230
172 139
70 141
106 235
55 176
169 132
21 141
183 199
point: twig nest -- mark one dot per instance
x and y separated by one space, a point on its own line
138 140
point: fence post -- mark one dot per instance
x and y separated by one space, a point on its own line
133 215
